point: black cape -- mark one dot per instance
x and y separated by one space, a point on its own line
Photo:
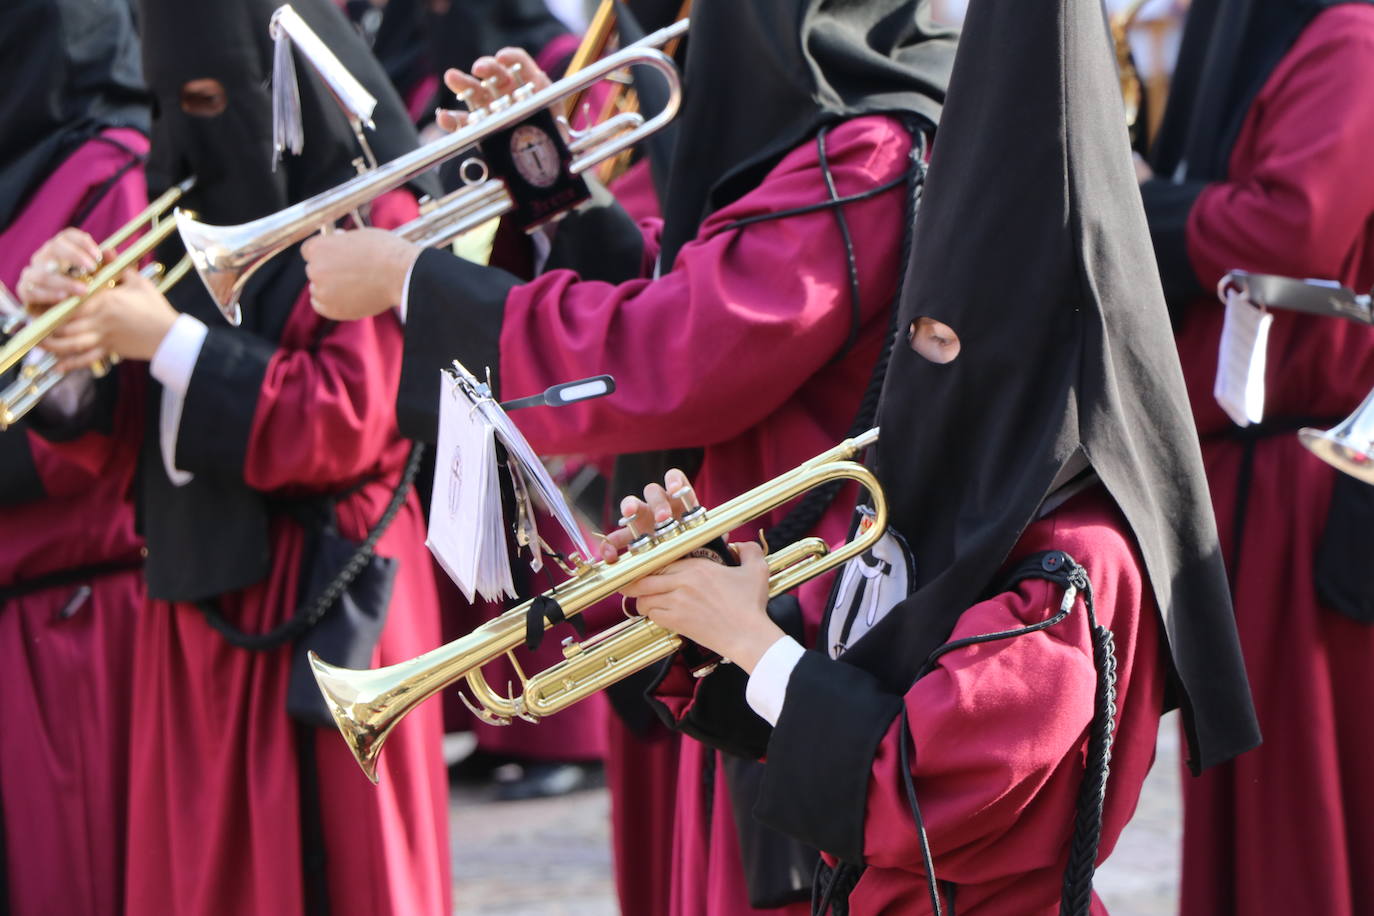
70 69
231 156
1032 246
460 31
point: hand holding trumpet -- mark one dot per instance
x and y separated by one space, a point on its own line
129 319
361 273
491 78
720 607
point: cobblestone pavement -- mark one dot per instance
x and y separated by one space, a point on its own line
551 857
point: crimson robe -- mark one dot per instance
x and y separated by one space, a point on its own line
1289 828
740 347
999 732
215 825
70 589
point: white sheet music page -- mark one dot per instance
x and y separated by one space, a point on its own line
545 490
466 530
1239 386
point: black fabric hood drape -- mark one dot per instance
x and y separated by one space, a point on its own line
1032 245
460 31
400 45
1229 50
70 69
763 75
231 156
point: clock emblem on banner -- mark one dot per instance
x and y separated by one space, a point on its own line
535 156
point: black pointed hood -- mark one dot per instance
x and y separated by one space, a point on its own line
795 65
231 154
460 31
70 69
1032 245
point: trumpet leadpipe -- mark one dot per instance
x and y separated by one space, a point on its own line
457 212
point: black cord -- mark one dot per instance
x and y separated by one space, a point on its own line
850 261
812 508
1076 899
1092 794
909 783
312 613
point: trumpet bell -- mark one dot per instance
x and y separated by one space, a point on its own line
1355 459
1349 447
352 700
223 266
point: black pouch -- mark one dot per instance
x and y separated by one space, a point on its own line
777 869
345 600
1344 576
348 631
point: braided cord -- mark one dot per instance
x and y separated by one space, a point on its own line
812 508
311 614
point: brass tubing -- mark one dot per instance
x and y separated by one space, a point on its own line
38 378
40 328
366 705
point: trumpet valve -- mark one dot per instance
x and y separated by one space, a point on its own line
692 512
643 540
571 647
667 529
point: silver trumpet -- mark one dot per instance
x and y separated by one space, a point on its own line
1348 447
226 256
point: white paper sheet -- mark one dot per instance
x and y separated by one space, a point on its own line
1239 387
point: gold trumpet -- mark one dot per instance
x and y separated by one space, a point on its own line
367 705
37 378
1132 87
34 332
226 256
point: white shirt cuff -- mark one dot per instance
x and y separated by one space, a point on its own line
403 308
172 365
175 358
768 684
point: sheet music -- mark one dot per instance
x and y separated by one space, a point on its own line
466 530
536 475
1239 387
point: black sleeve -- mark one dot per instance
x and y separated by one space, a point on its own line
1167 206
454 310
221 401
92 409
599 240
19 480
820 755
